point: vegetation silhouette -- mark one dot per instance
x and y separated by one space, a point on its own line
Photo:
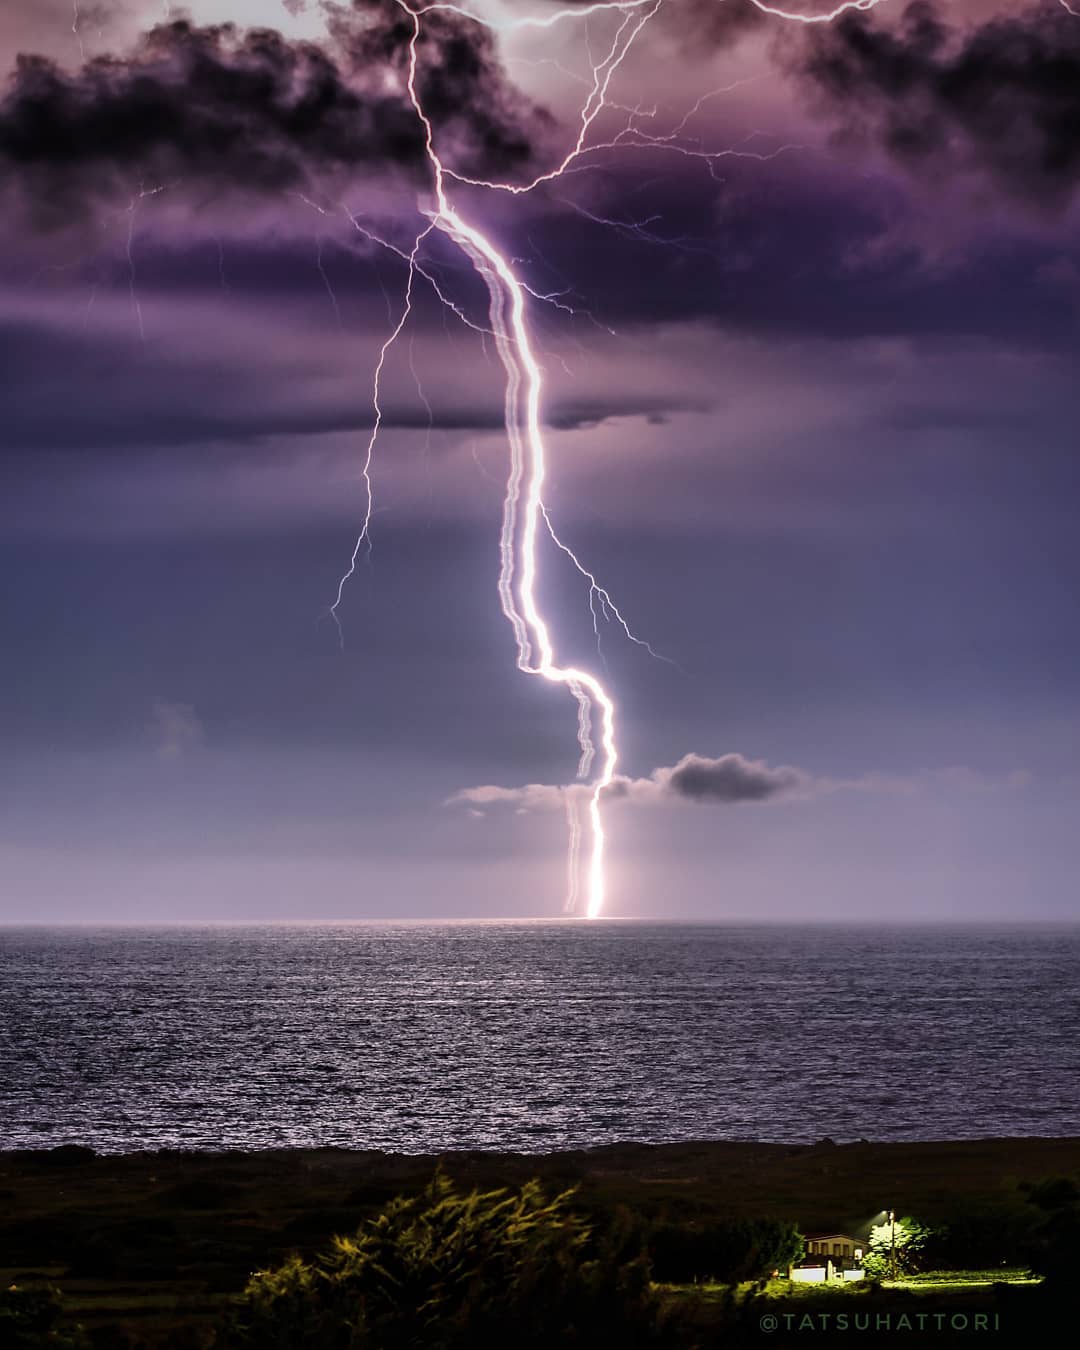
30 1319
724 1251
446 1270
1057 1236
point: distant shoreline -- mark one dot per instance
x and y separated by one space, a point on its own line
819 1183
588 1151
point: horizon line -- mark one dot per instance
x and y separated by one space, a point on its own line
565 919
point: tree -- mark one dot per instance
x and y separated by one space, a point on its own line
724 1250
445 1271
895 1248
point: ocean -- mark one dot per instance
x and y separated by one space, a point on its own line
533 1037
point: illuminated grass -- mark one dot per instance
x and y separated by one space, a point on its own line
945 1279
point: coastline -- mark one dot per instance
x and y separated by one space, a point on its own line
149 1248
823 1182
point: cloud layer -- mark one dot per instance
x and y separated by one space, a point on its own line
1000 100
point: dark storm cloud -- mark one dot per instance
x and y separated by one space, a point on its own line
731 778
1001 99
252 111
801 245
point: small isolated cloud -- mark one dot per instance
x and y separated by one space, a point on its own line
731 778
695 778
728 780
176 728
531 797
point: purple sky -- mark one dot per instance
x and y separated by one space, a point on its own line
811 421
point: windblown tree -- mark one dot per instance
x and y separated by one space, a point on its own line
445 1270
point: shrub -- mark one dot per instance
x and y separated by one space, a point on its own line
1057 1235
446 1271
981 1238
726 1250
29 1320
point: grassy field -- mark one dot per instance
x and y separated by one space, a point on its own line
148 1247
968 1279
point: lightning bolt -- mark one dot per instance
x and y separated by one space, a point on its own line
76 20
364 537
573 827
129 252
524 512
597 594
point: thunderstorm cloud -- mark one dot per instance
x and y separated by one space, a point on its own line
217 108
1000 100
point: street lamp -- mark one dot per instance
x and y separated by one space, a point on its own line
892 1244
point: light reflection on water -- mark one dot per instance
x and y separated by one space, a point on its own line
423 1037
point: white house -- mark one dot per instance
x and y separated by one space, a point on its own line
829 1258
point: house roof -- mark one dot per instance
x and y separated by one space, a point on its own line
833 1237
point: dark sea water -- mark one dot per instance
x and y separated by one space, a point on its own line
534 1037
